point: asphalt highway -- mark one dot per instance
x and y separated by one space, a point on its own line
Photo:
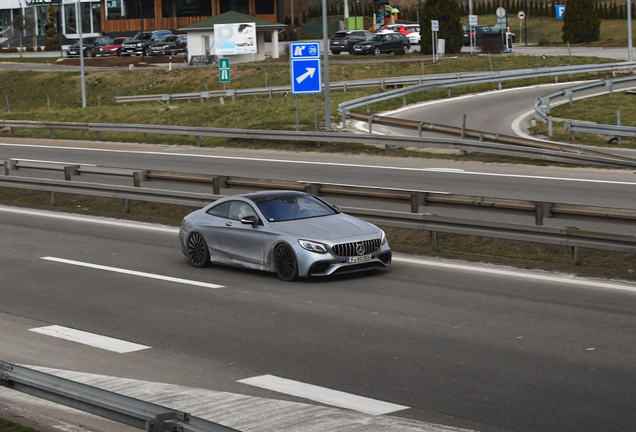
466 346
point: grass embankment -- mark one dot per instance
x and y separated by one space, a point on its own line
598 109
519 254
27 92
8 426
547 30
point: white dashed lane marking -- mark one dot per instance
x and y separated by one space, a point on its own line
323 395
91 339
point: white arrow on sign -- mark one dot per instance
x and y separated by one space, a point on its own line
310 73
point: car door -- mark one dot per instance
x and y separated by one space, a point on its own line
211 226
242 243
385 43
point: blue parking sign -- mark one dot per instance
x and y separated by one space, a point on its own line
560 9
306 77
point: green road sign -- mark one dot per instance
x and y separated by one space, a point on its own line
224 70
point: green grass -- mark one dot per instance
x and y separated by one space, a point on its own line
599 109
613 32
8 426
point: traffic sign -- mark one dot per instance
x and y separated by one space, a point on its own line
501 12
306 77
521 15
224 70
472 20
434 25
560 10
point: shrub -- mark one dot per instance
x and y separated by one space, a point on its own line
492 46
450 26
399 51
543 42
580 23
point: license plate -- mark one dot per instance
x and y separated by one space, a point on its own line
336 43
360 258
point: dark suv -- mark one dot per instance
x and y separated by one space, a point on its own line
90 44
140 43
345 40
483 32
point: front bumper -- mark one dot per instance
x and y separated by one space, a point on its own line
362 50
315 264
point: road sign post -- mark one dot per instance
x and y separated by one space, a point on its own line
224 70
560 10
472 22
434 30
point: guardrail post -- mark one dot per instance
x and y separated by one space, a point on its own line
556 78
499 82
52 133
69 171
419 129
546 102
576 258
368 109
549 126
126 206
217 183
418 199
463 135
370 120
5 169
433 241
344 87
610 84
542 210
381 85
12 131
52 198
138 177
569 94
197 138
96 134
403 100
618 123
145 136
448 91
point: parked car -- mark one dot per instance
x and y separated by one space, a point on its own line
383 43
170 45
412 31
113 48
140 43
293 234
345 40
91 46
388 28
483 32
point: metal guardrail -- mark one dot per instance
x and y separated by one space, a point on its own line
555 154
414 198
427 222
122 409
498 77
542 109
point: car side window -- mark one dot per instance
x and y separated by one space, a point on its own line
239 210
220 210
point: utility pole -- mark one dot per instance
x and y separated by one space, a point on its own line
141 31
292 15
470 7
81 48
630 55
325 53
525 21
346 12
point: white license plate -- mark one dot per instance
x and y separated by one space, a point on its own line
336 43
360 258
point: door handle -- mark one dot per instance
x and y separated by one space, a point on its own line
228 223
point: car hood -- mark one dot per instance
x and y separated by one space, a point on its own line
327 227
110 46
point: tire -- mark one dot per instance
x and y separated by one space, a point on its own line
285 263
479 42
335 52
405 47
377 50
90 53
198 252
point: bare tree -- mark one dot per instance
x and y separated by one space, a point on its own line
21 23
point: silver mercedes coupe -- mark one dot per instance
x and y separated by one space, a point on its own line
293 234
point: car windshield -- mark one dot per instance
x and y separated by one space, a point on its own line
118 41
88 40
291 207
375 38
168 39
145 36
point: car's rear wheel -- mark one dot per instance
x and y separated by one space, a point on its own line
198 250
376 51
285 263
405 47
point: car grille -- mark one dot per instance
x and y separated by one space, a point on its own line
349 249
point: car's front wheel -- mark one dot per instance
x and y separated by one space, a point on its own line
198 250
285 263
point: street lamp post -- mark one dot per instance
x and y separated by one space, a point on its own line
81 49
325 53
630 55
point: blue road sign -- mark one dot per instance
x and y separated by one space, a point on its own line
306 77
560 9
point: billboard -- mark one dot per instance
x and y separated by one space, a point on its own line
238 38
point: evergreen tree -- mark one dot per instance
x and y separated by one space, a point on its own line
450 25
552 10
621 12
580 23
541 8
52 42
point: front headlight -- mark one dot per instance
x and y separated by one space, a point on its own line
367 46
313 246
383 241
139 44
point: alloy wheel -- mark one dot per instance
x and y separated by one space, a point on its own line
198 250
285 263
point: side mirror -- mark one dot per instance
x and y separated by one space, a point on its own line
249 220
337 207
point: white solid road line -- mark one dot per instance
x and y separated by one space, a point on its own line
133 273
335 164
517 274
323 395
91 339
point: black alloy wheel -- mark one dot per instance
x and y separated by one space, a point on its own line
377 50
405 47
198 250
285 263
